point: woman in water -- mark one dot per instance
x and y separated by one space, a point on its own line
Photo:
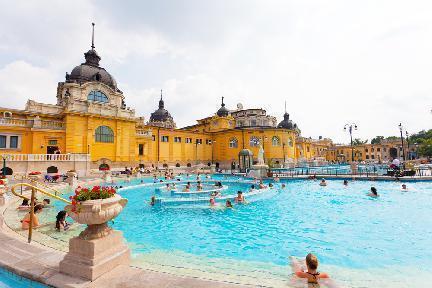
261 185
311 274
24 205
187 187
61 224
199 186
228 204
25 222
373 193
240 198
212 202
167 187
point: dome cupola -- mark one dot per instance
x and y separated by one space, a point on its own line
223 111
90 71
161 117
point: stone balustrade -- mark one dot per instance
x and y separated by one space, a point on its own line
47 157
33 123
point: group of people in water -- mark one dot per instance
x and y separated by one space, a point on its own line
60 224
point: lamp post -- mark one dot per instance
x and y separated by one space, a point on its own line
350 130
283 151
264 138
408 145
401 136
4 157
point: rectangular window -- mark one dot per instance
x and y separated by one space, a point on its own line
52 142
153 137
140 149
165 139
177 139
372 150
208 142
2 141
378 149
13 142
188 140
198 141
367 156
373 156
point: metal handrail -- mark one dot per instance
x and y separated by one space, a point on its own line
22 177
38 189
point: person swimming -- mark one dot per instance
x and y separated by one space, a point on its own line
404 187
373 193
153 200
261 185
252 187
323 182
61 224
199 186
187 187
283 185
25 222
212 202
167 187
271 185
240 198
24 205
311 274
345 183
228 204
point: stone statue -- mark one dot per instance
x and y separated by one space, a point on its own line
261 156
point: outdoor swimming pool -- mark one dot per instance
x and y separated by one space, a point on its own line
361 242
10 280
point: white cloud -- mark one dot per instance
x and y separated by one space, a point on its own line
20 81
334 62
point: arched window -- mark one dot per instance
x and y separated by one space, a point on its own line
254 141
104 134
97 96
275 141
290 142
233 143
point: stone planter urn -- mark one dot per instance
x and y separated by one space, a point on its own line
95 214
99 248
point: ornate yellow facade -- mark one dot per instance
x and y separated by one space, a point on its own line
91 117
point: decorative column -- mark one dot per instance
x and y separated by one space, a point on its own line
71 178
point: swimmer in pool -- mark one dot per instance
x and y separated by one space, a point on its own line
404 187
168 188
240 198
283 185
252 187
187 187
345 183
212 202
152 200
199 186
261 185
373 193
323 182
311 274
228 204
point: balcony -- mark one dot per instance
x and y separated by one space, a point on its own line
46 157
32 123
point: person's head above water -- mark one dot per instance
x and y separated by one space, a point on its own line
239 192
311 261
374 191
404 186
322 180
345 182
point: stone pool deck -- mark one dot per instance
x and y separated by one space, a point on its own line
41 263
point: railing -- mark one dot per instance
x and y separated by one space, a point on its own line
143 133
47 157
16 122
55 125
21 177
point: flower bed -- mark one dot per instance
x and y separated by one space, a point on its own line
97 192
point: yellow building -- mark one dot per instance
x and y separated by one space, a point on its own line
91 118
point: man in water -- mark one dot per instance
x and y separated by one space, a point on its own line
323 182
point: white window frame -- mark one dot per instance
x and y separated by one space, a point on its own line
8 141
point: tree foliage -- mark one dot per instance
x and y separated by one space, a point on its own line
358 141
377 140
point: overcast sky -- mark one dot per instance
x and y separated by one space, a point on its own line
368 62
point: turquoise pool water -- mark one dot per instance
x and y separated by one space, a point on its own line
10 280
360 241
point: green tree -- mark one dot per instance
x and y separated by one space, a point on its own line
377 140
425 148
358 141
